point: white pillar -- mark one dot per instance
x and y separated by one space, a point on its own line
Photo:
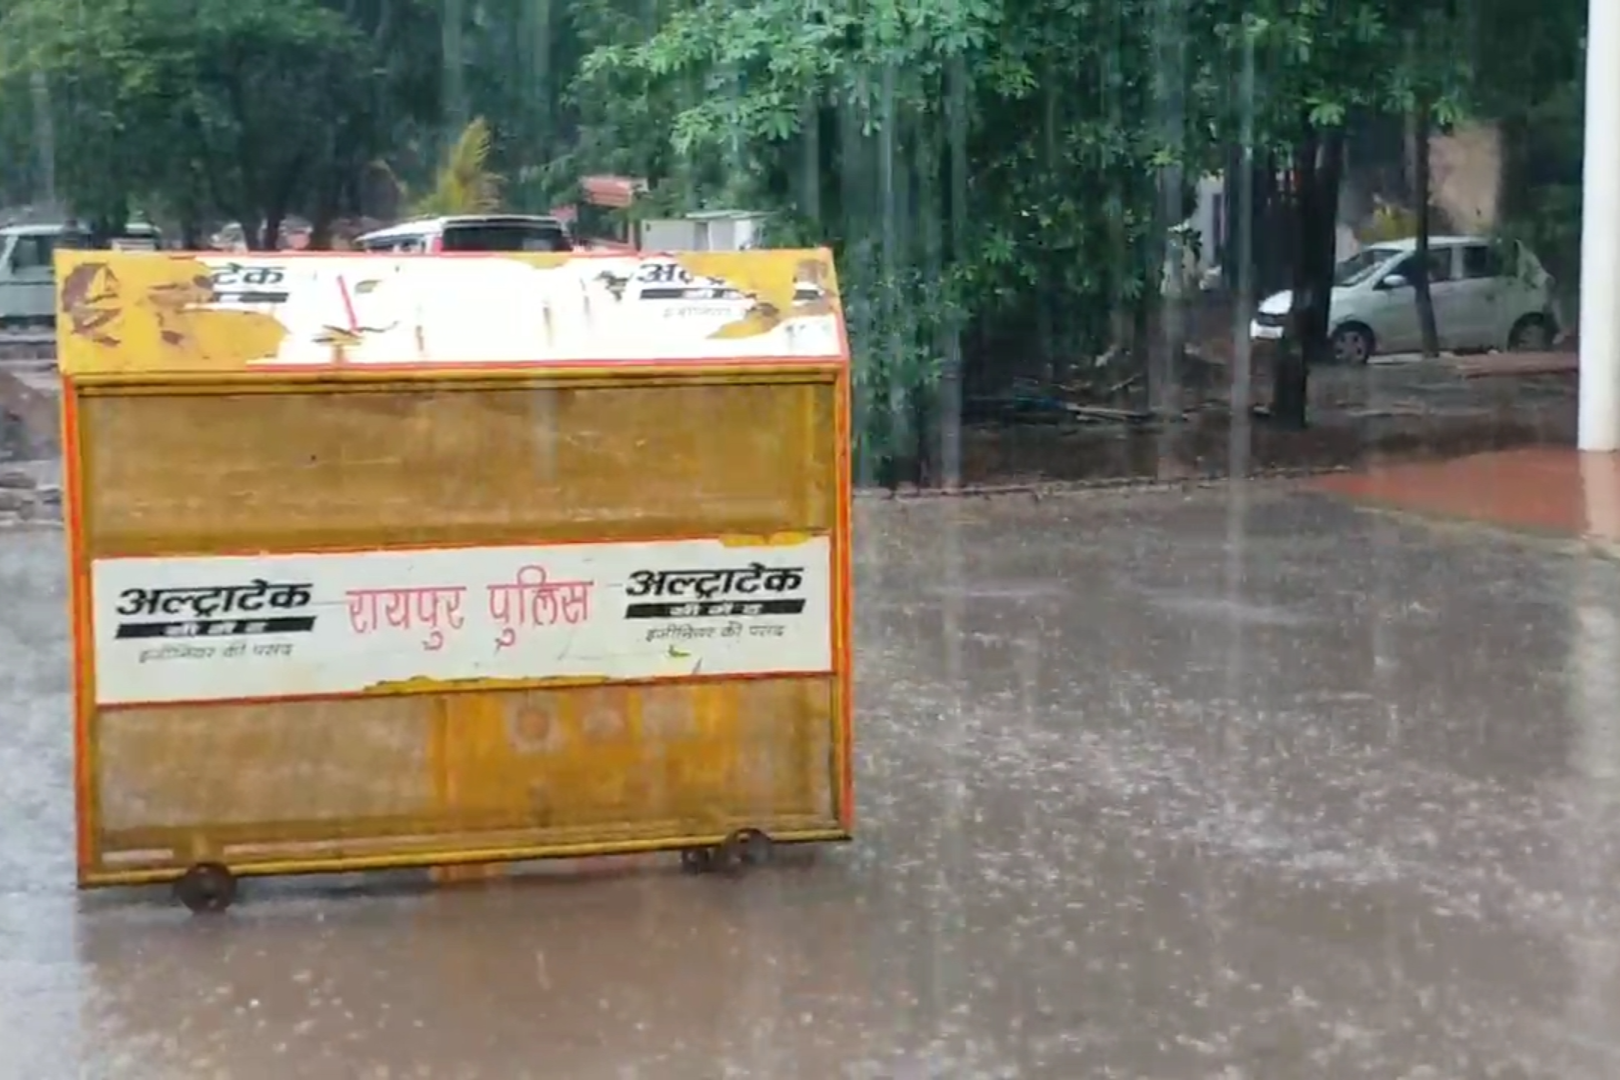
1600 233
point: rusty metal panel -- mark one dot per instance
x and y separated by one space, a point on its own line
428 463
410 778
313 622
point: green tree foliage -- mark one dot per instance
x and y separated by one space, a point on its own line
1327 64
214 107
465 184
980 166
21 179
1530 80
1084 124
999 179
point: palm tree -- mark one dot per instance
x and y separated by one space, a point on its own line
465 184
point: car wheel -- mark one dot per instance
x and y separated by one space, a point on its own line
1353 344
1532 333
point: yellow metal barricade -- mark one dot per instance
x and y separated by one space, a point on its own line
427 561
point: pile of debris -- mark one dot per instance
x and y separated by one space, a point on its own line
27 346
1112 391
24 499
29 413
1517 364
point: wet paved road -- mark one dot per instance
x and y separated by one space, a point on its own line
1154 786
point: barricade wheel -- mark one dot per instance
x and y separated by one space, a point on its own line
751 847
697 860
206 887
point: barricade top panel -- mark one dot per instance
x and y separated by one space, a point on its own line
163 313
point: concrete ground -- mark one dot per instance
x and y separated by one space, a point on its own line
1238 783
1403 409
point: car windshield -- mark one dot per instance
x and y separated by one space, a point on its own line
506 236
1361 266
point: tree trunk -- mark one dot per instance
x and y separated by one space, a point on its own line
1318 170
270 238
1324 237
321 228
1276 226
44 138
1222 257
956 242
1290 373
333 180
1420 181
453 89
1168 355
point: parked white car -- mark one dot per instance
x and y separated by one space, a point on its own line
469 232
27 275
1488 294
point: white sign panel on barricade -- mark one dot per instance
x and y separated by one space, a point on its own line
243 627
511 310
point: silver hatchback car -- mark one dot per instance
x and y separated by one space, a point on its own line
1488 294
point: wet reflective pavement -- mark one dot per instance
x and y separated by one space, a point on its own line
1238 783
1551 490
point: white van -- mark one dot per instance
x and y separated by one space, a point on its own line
1488 294
482 232
27 282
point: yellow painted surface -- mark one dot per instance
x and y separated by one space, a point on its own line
431 463
431 772
191 451
772 278
782 539
119 314
356 778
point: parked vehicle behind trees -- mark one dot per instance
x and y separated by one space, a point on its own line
1487 295
469 232
27 281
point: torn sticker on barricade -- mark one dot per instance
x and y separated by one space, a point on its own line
152 312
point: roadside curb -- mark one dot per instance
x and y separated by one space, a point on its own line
1143 485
